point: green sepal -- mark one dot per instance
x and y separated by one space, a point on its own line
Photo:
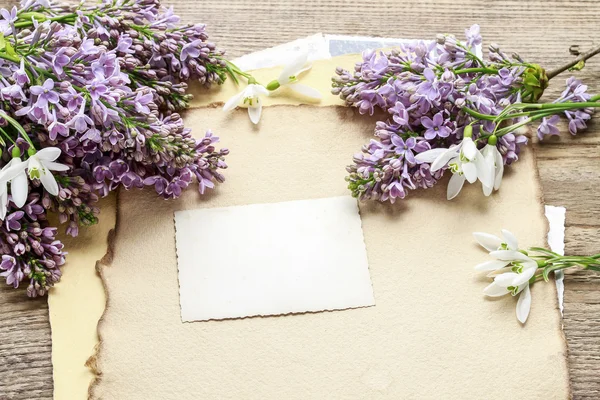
468 132
535 81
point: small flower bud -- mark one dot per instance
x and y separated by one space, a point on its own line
468 132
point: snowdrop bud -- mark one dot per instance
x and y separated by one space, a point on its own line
273 85
492 140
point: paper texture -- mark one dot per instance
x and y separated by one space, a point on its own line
268 259
431 334
74 321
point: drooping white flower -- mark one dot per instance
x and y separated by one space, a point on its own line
289 78
18 180
492 242
464 160
495 163
505 253
250 98
512 270
13 172
291 72
523 304
41 163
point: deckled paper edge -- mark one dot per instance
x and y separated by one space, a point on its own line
556 241
104 262
372 302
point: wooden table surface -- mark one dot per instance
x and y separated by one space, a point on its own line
540 31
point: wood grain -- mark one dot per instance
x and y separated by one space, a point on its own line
540 31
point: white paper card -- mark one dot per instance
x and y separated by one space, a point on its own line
271 259
556 240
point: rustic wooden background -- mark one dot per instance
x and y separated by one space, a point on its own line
540 31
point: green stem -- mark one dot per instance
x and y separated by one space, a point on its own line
18 127
571 64
60 18
471 70
7 136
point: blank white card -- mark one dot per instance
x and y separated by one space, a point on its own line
270 259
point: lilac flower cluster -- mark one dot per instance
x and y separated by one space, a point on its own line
430 92
103 83
576 92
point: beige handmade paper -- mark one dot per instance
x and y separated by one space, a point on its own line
431 334
73 320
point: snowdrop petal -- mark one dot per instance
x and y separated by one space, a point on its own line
524 305
510 239
506 280
487 191
484 172
48 154
19 189
524 276
49 182
455 185
54 166
493 290
470 171
469 149
305 91
443 159
3 204
499 162
429 156
509 255
487 241
14 167
233 102
254 112
492 265
293 68
258 90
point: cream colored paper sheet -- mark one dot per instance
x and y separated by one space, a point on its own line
430 336
73 320
271 259
76 304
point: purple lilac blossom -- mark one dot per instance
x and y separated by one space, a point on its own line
425 88
575 92
106 89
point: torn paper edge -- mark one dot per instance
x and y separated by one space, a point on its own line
556 241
